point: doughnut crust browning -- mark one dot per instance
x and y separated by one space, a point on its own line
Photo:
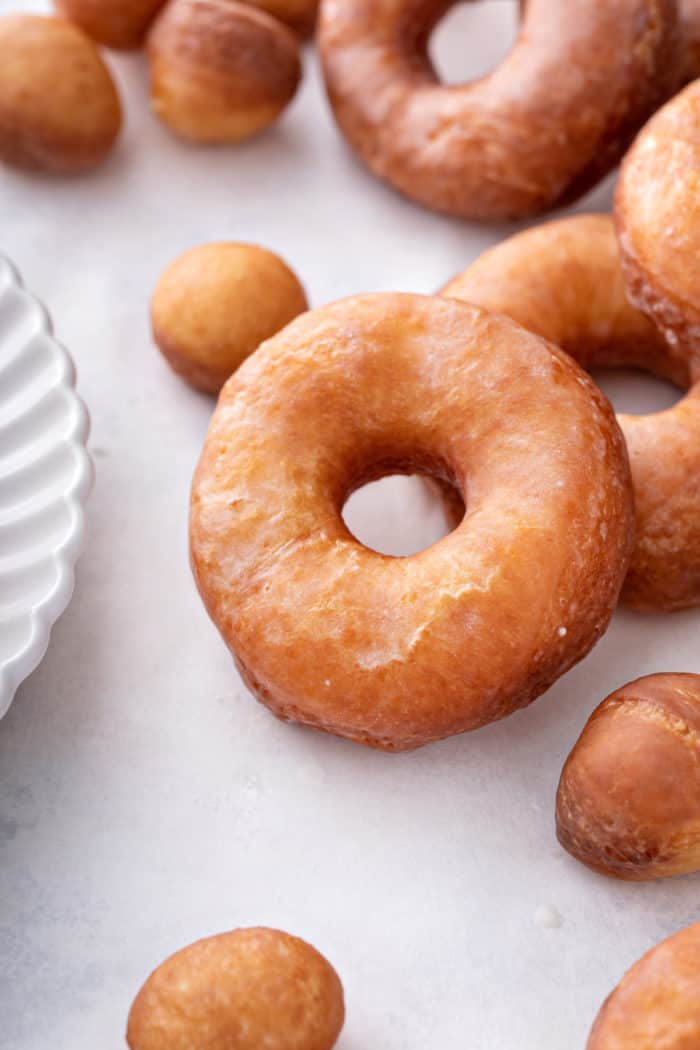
221 71
121 24
299 15
59 108
563 280
396 652
628 803
539 131
657 212
243 990
690 24
656 1005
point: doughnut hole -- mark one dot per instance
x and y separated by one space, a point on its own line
402 514
220 71
636 392
488 29
215 304
59 108
243 990
120 24
628 802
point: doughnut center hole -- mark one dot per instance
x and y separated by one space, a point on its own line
633 392
398 515
472 39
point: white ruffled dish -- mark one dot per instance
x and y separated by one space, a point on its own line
45 477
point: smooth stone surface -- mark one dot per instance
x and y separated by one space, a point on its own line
145 799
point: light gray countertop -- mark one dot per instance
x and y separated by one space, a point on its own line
145 799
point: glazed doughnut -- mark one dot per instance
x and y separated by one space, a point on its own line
396 652
563 280
244 990
657 212
121 24
539 131
628 803
656 1005
220 71
690 23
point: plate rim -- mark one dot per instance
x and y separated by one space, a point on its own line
47 609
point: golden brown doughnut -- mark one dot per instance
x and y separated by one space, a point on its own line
628 803
216 303
539 131
563 280
690 23
59 108
221 71
115 23
299 15
396 652
656 1005
245 990
657 212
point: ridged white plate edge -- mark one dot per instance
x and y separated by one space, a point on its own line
45 611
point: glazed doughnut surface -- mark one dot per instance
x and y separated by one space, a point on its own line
250 989
656 1005
540 130
396 652
563 280
628 803
657 212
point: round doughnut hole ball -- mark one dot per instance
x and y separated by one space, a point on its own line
628 803
221 71
59 108
119 24
216 303
244 990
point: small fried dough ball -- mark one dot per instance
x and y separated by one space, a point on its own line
244 990
121 24
59 108
221 71
216 303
